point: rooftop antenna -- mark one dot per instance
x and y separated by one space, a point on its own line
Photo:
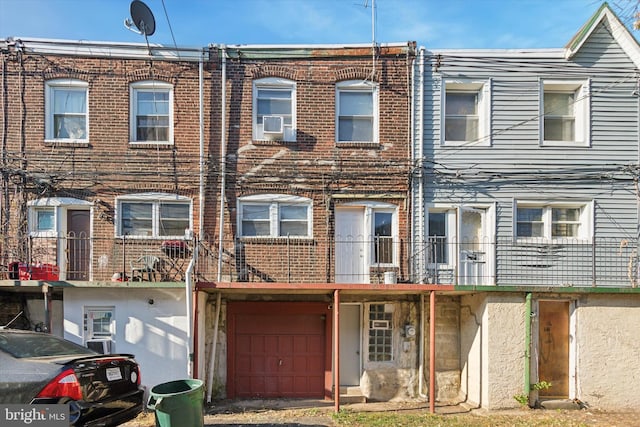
373 36
142 18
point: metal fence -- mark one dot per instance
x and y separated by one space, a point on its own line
437 260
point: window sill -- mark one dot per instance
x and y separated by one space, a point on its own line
66 143
565 144
274 239
159 238
272 142
143 145
356 144
466 144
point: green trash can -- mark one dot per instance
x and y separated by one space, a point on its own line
178 403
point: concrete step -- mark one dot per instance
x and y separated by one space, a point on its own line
352 394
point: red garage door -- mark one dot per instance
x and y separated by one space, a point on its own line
277 349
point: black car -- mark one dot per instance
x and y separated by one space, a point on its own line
39 368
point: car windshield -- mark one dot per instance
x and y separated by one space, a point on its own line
23 345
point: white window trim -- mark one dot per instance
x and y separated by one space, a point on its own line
354 86
133 110
155 199
88 332
370 212
483 89
33 222
451 234
582 111
274 200
50 87
586 229
290 131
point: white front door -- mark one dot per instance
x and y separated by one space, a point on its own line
351 246
349 344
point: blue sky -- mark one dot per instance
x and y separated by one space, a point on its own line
435 24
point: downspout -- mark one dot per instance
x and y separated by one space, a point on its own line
527 345
432 352
421 351
201 168
336 350
214 348
420 152
223 155
189 306
191 337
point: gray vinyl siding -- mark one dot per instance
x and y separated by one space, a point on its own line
515 166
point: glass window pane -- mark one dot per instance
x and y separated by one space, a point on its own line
150 103
274 93
45 220
382 226
69 101
255 228
559 128
174 219
274 107
69 127
255 220
438 237
566 214
100 322
293 228
356 103
565 230
355 129
559 104
529 214
461 104
293 212
27 345
253 212
152 128
293 220
137 219
529 222
461 128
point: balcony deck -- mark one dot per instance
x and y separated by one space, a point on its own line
604 263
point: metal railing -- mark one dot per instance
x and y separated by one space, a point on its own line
81 258
437 260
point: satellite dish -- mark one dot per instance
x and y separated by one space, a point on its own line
142 18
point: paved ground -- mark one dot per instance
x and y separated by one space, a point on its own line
318 413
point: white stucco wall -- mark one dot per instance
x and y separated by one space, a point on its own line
607 349
472 308
492 349
155 333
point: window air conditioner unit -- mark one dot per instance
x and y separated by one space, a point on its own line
100 345
273 126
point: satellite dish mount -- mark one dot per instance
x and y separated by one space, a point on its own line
142 18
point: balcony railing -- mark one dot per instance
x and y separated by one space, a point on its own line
437 260
599 262
81 258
